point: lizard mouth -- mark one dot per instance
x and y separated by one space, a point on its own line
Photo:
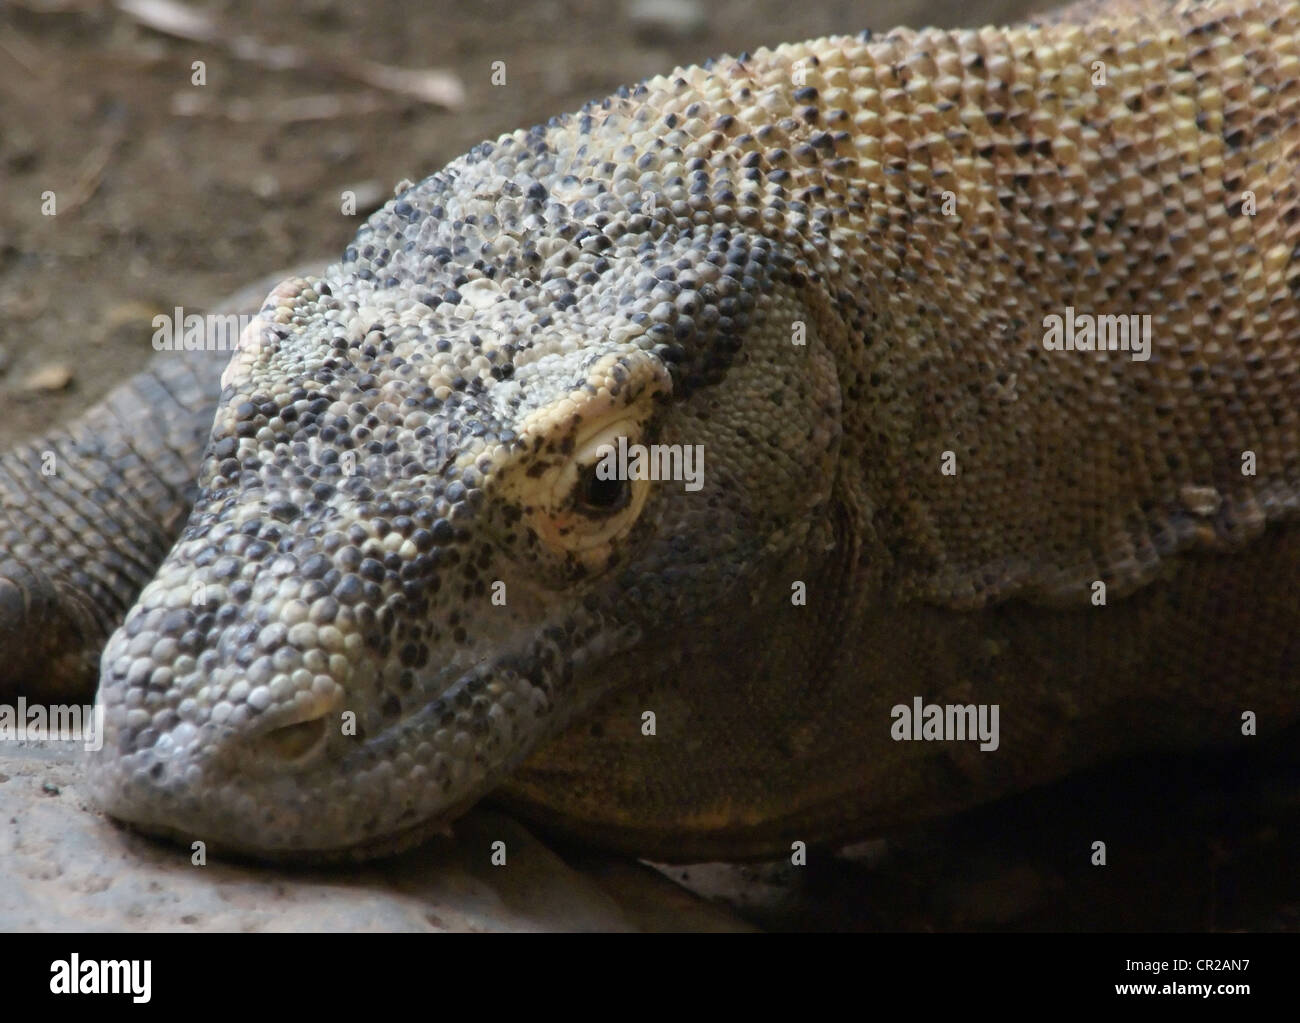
305 789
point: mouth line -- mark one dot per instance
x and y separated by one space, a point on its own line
519 662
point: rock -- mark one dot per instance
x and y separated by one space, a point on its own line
266 186
68 868
54 376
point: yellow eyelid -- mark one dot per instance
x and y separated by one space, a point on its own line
564 529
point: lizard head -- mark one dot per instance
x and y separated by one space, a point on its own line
431 526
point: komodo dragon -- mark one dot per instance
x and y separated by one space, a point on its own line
404 582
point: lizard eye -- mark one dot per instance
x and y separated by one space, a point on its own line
591 502
580 473
600 496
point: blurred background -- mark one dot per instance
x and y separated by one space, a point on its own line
172 193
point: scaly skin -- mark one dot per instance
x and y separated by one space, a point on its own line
916 204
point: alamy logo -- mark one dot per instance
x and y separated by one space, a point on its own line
214 332
1084 332
82 723
953 722
102 977
656 462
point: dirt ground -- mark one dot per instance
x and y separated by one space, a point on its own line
174 194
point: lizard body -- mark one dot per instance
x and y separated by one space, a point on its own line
831 265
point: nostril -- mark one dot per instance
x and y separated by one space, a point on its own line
296 741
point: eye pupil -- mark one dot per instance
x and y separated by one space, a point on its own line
604 495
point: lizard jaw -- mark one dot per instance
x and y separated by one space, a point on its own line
304 788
